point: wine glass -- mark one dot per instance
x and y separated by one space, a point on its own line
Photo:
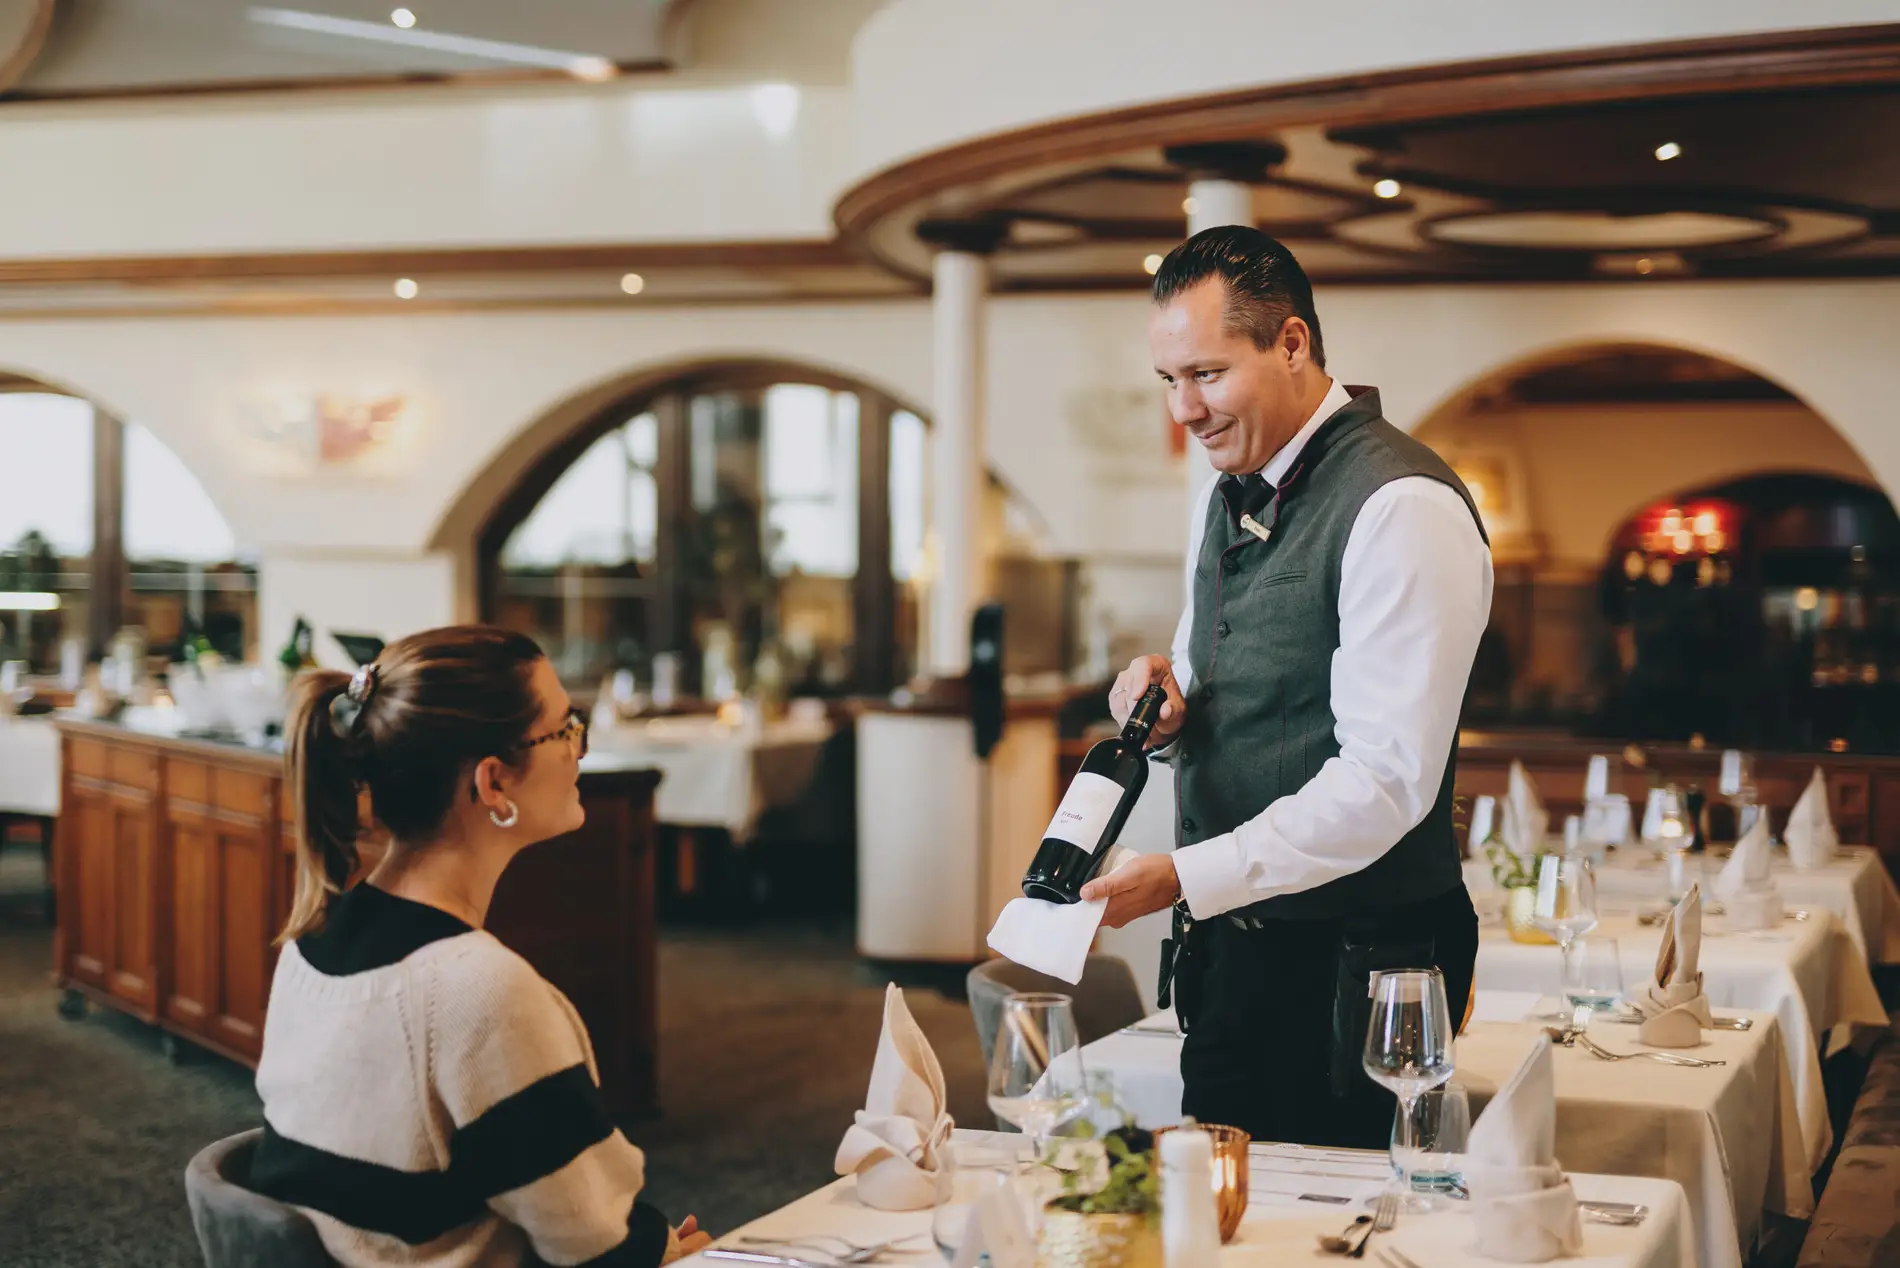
1593 978
1036 1077
1408 1050
1441 1128
1566 905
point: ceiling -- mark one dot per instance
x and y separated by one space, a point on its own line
94 48
1634 375
1765 184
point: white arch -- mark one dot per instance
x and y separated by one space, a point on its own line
1828 345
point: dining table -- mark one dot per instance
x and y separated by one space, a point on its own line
1806 972
1855 885
716 773
29 767
1280 1225
1728 1135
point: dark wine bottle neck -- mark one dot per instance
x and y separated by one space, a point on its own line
1141 719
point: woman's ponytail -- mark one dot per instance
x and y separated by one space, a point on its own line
321 770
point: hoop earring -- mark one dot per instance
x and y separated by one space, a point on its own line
514 815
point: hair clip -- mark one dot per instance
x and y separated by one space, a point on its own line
362 683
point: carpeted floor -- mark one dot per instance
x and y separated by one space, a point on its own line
766 1039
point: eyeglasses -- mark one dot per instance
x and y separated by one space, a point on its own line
576 729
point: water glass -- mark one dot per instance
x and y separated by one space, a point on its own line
1593 978
1408 1050
1037 1081
1441 1129
950 1219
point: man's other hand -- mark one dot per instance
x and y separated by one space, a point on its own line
1143 672
1139 886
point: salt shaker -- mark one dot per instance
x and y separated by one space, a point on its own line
1190 1226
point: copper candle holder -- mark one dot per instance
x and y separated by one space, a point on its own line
1229 1173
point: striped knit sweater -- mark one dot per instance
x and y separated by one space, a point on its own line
429 1099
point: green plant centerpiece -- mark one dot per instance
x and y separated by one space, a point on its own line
1107 1215
1515 875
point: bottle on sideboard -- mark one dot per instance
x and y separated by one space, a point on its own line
1092 812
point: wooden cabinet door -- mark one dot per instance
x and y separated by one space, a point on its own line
132 969
220 848
85 882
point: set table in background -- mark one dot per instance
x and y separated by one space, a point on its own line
715 774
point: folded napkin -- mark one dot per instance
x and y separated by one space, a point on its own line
1674 1006
897 1147
1521 1201
1746 883
1053 938
1526 822
1811 838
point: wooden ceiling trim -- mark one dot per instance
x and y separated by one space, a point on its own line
429 262
1776 60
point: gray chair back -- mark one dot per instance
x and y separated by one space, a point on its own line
238 1228
1106 999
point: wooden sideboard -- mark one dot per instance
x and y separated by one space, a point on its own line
175 865
1863 790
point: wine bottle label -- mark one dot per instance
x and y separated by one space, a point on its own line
1085 811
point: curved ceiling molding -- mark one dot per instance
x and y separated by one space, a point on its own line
1528 168
23 28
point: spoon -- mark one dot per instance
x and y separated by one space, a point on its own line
1341 1244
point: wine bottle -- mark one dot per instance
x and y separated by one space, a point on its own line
1092 812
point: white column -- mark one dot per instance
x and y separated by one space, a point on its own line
957 452
1216 202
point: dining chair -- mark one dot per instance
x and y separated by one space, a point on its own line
238 1228
1106 999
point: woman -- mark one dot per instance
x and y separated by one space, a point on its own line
429 1099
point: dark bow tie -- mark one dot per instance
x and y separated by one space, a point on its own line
1244 495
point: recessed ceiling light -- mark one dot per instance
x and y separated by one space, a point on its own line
1387 188
1151 265
593 70
632 283
1190 205
402 18
1667 150
1645 265
406 288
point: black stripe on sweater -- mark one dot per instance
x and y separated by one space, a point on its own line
533 1133
415 1206
520 1139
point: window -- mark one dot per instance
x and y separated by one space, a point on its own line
729 513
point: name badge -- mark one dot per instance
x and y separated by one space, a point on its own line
1255 527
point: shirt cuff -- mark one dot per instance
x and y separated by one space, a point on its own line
1213 876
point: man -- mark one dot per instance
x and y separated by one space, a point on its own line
1338 581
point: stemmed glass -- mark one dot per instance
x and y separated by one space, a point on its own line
1408 1050
1566 906
1036 1077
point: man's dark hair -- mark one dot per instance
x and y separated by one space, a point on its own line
1265 284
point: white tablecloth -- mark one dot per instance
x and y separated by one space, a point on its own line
29 766
1276 1231
1807 973
1730 1136
1856 886
714 775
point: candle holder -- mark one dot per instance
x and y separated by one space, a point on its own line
1229 1174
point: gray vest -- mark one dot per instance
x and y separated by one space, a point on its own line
1266 624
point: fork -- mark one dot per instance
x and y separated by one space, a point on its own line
1667 1058
851 1254
1383 1218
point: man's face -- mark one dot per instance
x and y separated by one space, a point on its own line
1241 402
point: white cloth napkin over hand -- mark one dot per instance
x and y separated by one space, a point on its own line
1674 1006
1746 883
1521 1201
897 1146
1053 938
1811 837
1526 822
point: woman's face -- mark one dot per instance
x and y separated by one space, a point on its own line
546 783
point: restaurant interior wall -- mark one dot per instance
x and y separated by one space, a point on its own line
1077 425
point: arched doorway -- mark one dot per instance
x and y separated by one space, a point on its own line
750 518
1563 453
104 530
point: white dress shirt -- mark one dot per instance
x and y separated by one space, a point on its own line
1414 597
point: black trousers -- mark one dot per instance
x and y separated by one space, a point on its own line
1261 1007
